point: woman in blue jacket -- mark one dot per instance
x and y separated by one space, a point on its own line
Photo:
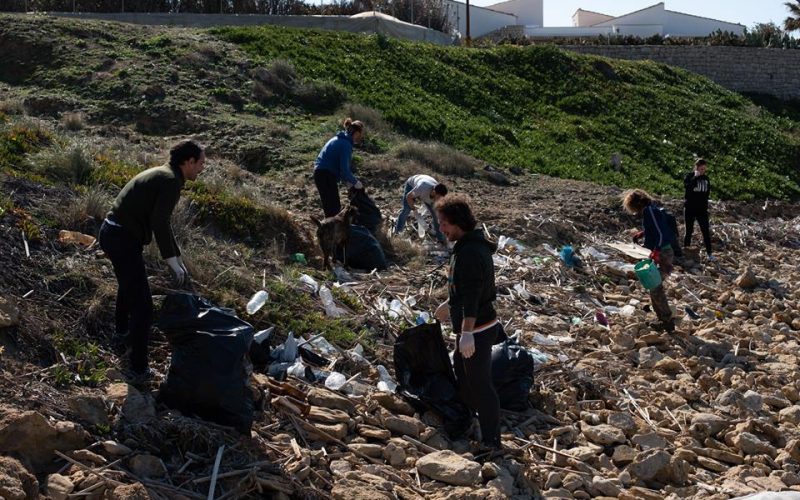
658 236
332 166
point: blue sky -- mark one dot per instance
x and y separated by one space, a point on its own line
747 12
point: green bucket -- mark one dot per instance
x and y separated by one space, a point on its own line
648 274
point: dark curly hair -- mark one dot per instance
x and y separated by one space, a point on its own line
455 208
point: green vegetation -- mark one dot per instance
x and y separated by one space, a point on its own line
552 111
86 366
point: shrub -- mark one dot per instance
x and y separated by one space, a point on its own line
12 107
73 121
86 212
372 118
320 97
438 157
66 164
279 78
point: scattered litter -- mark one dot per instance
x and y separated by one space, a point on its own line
504 243
331 309
386 383
309 283
257 301
335 381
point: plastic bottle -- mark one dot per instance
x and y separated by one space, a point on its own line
335 381
309 282
257 301
386 383
422 227
331 309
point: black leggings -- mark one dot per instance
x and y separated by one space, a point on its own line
474 376
328 187
134 311
702 220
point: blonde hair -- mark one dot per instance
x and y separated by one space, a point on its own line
635 200
353 126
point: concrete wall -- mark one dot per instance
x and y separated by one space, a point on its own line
742 69
336 23
528 12
584 18
481 20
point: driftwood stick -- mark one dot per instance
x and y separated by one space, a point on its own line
419 444
215 472
87 469
250 468
315 429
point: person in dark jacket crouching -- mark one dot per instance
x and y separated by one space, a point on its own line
470 309
658 234
142 209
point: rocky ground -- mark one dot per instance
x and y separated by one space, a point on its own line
617 411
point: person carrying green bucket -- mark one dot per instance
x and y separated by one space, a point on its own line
658 234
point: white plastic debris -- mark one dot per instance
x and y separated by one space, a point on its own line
521 291
357 354
386 383
335 381
422 227
627 310
331 309
262 335
594 253
544 339
510 244
298 369
322 345
257 301
342 276
539 358
309 283
395 309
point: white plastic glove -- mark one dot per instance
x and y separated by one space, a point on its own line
185 271
178 270
442 312
466 344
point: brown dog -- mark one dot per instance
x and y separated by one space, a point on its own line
332 233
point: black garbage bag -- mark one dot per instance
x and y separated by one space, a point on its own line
362 250
369 215
425 376
512 374
208 374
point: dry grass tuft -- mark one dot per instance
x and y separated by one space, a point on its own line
73 121
439 157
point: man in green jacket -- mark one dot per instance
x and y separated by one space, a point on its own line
142 209
471 312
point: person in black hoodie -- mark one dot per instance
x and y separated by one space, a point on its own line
697 188
470 309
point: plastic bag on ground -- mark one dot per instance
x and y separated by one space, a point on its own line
425 376
208 374
260 348
512 375
362 251
386 383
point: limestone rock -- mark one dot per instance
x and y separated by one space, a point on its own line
402 424
349 489
649 441
16 483
115 448
328 416
393 403
649 356
623 455
603 434
747 279
394 455
138 407
146 466
370 432
605 487
340 467
135 491
623 422
714 423
750 444
448 467
90 409
648 464
370 450
790 415
328 399
59 487
31 436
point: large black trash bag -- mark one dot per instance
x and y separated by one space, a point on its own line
362 250
512 374
425 376
369 215
208 374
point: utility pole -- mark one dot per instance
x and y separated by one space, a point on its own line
412 11
469 39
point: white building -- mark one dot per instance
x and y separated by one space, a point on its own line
650 21
484 20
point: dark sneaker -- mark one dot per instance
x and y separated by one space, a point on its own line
662 326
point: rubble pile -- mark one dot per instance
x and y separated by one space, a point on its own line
617 410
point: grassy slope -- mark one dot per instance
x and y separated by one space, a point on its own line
552 111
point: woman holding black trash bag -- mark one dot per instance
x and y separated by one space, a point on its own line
470 309
332 166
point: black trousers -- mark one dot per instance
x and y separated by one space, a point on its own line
328 187
474 377
134 309
701 216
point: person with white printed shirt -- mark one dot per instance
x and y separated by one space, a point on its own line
697 189
427 190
